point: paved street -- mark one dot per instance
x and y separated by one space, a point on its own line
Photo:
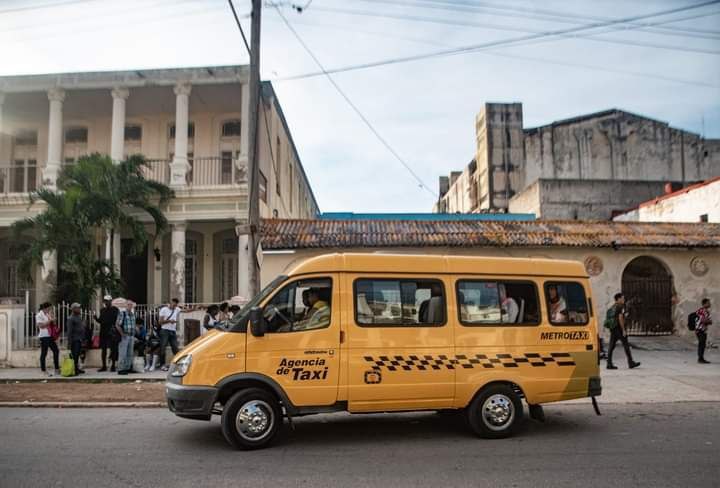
658 445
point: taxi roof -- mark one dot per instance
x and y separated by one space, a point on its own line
438 264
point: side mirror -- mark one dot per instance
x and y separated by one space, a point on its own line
257 322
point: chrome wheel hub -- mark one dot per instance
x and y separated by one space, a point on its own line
498 412
254 420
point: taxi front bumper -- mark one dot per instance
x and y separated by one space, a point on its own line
190 402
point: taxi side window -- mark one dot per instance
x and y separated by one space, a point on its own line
301 305
401 303
566 303
491 302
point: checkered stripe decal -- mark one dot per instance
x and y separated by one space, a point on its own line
425 363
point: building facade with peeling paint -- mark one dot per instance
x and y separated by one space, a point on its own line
587 167
192 126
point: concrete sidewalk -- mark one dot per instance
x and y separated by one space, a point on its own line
28 375
669 373
664 376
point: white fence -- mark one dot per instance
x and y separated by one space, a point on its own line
25 335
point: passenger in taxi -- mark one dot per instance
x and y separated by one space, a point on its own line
510 310
558 306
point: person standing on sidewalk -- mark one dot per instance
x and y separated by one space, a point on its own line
76 332
108 336
168 329
615 321
703 321
43 319
125 327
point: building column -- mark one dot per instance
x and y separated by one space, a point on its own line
3 145
179 166
48 276
117 133
241 230
208 291
55 137
117 251
242 162
158 270
177 261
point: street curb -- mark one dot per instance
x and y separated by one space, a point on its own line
14 381
83 405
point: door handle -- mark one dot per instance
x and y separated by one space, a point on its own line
342 336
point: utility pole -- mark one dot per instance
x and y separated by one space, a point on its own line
253 154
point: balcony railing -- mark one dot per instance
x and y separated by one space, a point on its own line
19 178
204 171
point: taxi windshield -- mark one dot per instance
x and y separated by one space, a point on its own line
238 322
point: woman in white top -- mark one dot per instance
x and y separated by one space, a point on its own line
42 320
210 319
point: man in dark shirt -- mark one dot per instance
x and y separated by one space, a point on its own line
76 332
617 333
108 337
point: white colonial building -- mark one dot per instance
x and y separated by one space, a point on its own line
191 124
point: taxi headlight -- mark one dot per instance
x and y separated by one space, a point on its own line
181 367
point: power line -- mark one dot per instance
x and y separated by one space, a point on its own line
106 13
491 44
543 14
534 59
355 108
43 6
495 26
237 21
104 27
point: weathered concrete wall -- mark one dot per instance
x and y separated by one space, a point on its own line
690 288
611 145
501 143
683 206
528 199
459 193
618 146
583 200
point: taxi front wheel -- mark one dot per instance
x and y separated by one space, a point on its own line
496 412
251 419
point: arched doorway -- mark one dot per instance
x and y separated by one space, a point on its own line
648 289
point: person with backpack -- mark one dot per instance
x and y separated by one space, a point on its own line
615 322
702 321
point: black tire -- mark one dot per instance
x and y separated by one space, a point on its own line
495 413
262 413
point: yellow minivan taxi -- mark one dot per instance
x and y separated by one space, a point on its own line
383 333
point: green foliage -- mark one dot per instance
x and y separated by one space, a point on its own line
93 195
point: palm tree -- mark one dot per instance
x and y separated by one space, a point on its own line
93 195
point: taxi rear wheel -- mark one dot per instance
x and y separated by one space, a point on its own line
251 419
496 412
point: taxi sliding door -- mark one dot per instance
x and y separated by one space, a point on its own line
399 343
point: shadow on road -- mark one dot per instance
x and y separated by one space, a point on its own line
388 429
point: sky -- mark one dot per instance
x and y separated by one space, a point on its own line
665 67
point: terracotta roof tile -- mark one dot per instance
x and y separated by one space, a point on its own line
299 234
